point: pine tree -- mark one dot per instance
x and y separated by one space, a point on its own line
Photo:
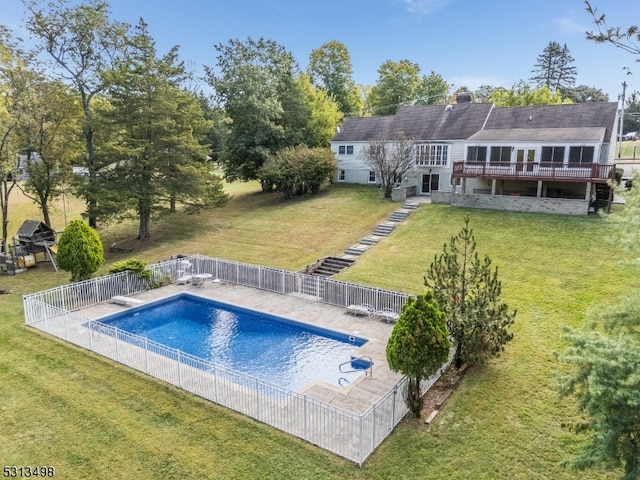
554 68
468 291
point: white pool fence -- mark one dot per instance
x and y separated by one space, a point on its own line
344 433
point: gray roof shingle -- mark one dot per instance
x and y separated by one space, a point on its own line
482 122
576 115
419 122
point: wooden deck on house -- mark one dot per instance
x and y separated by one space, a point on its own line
547 171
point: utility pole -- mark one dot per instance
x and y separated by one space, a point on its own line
623 98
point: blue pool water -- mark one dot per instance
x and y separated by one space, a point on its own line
280 351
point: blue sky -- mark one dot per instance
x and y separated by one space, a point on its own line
468 42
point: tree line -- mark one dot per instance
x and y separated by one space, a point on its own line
97 94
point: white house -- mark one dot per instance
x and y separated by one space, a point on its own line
552 158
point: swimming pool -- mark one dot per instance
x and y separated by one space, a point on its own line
280 351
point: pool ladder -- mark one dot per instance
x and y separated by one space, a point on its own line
368 371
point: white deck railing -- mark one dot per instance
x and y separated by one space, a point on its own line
344 433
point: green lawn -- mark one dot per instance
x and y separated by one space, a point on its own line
629 149
91 418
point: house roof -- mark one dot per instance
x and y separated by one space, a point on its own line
564 118
580 122
418 122
362 129
578 135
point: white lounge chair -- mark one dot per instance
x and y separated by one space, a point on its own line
387 314
184 279
122 300
362 309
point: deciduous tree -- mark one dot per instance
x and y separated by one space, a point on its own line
397 85
584 93
255 82
14 99
419 344
330 69
50 128
522 94
83 43
468 291
324 114
627 39
390 159
432 90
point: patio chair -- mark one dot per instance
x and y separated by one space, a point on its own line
362 309
386 314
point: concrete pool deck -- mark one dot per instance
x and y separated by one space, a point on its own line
358 396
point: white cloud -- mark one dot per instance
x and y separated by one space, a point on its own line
569 25
424 7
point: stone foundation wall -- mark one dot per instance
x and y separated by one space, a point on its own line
521 204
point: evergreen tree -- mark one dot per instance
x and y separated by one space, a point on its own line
156 152
468 291
419 344
80 251
554 68
604 355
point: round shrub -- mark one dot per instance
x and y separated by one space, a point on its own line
80 251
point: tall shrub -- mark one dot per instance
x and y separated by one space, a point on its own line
419 344
80 251
298 170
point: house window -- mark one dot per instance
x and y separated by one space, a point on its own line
476 154
341 175
432 155
581 154
500 154
345 150
552 154
372 176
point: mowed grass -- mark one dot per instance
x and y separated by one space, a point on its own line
629 149
91 418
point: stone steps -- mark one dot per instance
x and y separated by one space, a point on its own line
358 249
328 266
384 229
399 215
370 240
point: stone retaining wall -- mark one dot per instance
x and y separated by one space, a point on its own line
520 204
